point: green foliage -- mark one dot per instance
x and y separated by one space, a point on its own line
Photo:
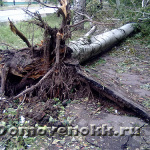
126 2
93 7
145 28
132 11
6 36
14 142
98 62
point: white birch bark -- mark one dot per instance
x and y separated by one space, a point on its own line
79 6
145 3
118 4
87 47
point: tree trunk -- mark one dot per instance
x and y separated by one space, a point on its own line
1 2
118 4
87 47
79 6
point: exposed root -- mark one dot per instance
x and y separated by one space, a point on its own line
61 81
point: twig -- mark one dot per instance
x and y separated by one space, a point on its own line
79 13
88 20
38 20
74 25
45 5
35 15
92 143
99 108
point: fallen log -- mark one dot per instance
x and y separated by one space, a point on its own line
89 46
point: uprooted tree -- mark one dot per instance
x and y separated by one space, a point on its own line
44 70
49 70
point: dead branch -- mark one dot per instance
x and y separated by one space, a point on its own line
93 29
88 20
85 15
38 20
17 32
45 4
34 15
83 21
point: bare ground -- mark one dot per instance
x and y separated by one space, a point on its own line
126 69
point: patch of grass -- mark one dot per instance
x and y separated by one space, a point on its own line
98 62
28 30
110 109
145 86
32 31
146 102
11 39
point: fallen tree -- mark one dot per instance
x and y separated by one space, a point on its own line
89 46
41 70
48 70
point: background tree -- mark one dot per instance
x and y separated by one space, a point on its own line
79 6
1 3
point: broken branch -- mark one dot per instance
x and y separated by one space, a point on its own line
17 32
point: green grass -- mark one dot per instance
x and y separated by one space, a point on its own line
98 62
29 30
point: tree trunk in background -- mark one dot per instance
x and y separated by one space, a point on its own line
85 48
1 2
118 4
145 3
79 6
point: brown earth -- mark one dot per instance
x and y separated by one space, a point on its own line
126 69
